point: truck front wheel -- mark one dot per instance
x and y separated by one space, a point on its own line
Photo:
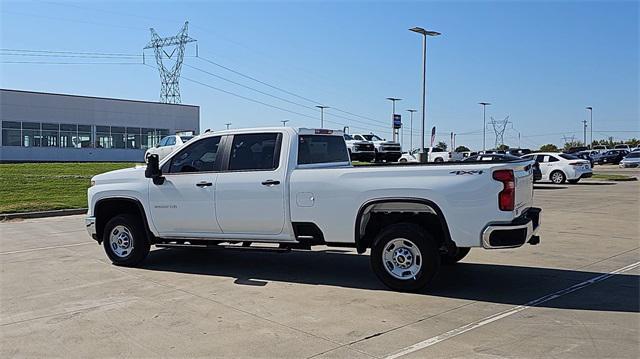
405 257
124 240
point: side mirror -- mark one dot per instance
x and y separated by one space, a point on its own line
157 145
153 170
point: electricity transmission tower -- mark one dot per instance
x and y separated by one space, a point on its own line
568 139
171 48
499 127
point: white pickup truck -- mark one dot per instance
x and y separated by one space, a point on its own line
297 188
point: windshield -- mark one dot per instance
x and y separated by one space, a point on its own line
568 157
622 146
634 155
372 138
185 138
348 137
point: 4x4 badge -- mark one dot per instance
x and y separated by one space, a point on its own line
472 172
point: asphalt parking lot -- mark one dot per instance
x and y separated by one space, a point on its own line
575 295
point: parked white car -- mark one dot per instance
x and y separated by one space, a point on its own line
631 160
435 155
461 156
359 150
166 146
561 167
600 148
622 147
385 150
297 188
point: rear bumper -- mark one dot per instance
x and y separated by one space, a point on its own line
515 233
363 156
388 156
90 223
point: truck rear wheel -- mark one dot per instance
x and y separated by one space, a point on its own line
405 257
453 258
125 241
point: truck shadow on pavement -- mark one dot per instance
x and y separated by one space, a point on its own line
493 283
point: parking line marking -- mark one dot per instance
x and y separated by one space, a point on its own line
495 317
43 248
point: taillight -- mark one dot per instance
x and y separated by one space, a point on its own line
506 197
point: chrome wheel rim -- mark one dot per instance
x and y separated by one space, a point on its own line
557 177
121 241
402 259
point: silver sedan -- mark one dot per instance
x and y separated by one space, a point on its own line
631 160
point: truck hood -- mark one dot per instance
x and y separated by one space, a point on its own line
120 175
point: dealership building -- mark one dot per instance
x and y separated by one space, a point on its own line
47 127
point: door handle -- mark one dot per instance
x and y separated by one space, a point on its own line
270 183
204 184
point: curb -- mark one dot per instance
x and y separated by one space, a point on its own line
43 214
628 179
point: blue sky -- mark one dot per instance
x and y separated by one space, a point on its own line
540 63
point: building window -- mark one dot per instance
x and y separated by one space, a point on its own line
31 134
35 134
84 136
103 137
50 135
134 138
117 134
11 133
69 136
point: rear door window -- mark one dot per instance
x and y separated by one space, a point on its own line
321 149
255 151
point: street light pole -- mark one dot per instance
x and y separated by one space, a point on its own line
393 112
424 34
228 124
322 114
591 124
411 129
284 122
484 123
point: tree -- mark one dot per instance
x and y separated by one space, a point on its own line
442 145
571 144
462 149
549 147
634 142
503 147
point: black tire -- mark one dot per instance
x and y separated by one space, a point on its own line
402 160
429 258
574 181
453 258
439 160
137 237
557 177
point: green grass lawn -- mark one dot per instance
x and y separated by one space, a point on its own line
26 187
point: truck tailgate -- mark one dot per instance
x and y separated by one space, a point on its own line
523 173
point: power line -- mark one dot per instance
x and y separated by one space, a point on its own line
69 52
71 56
315 102
277 97
256 101
69 63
